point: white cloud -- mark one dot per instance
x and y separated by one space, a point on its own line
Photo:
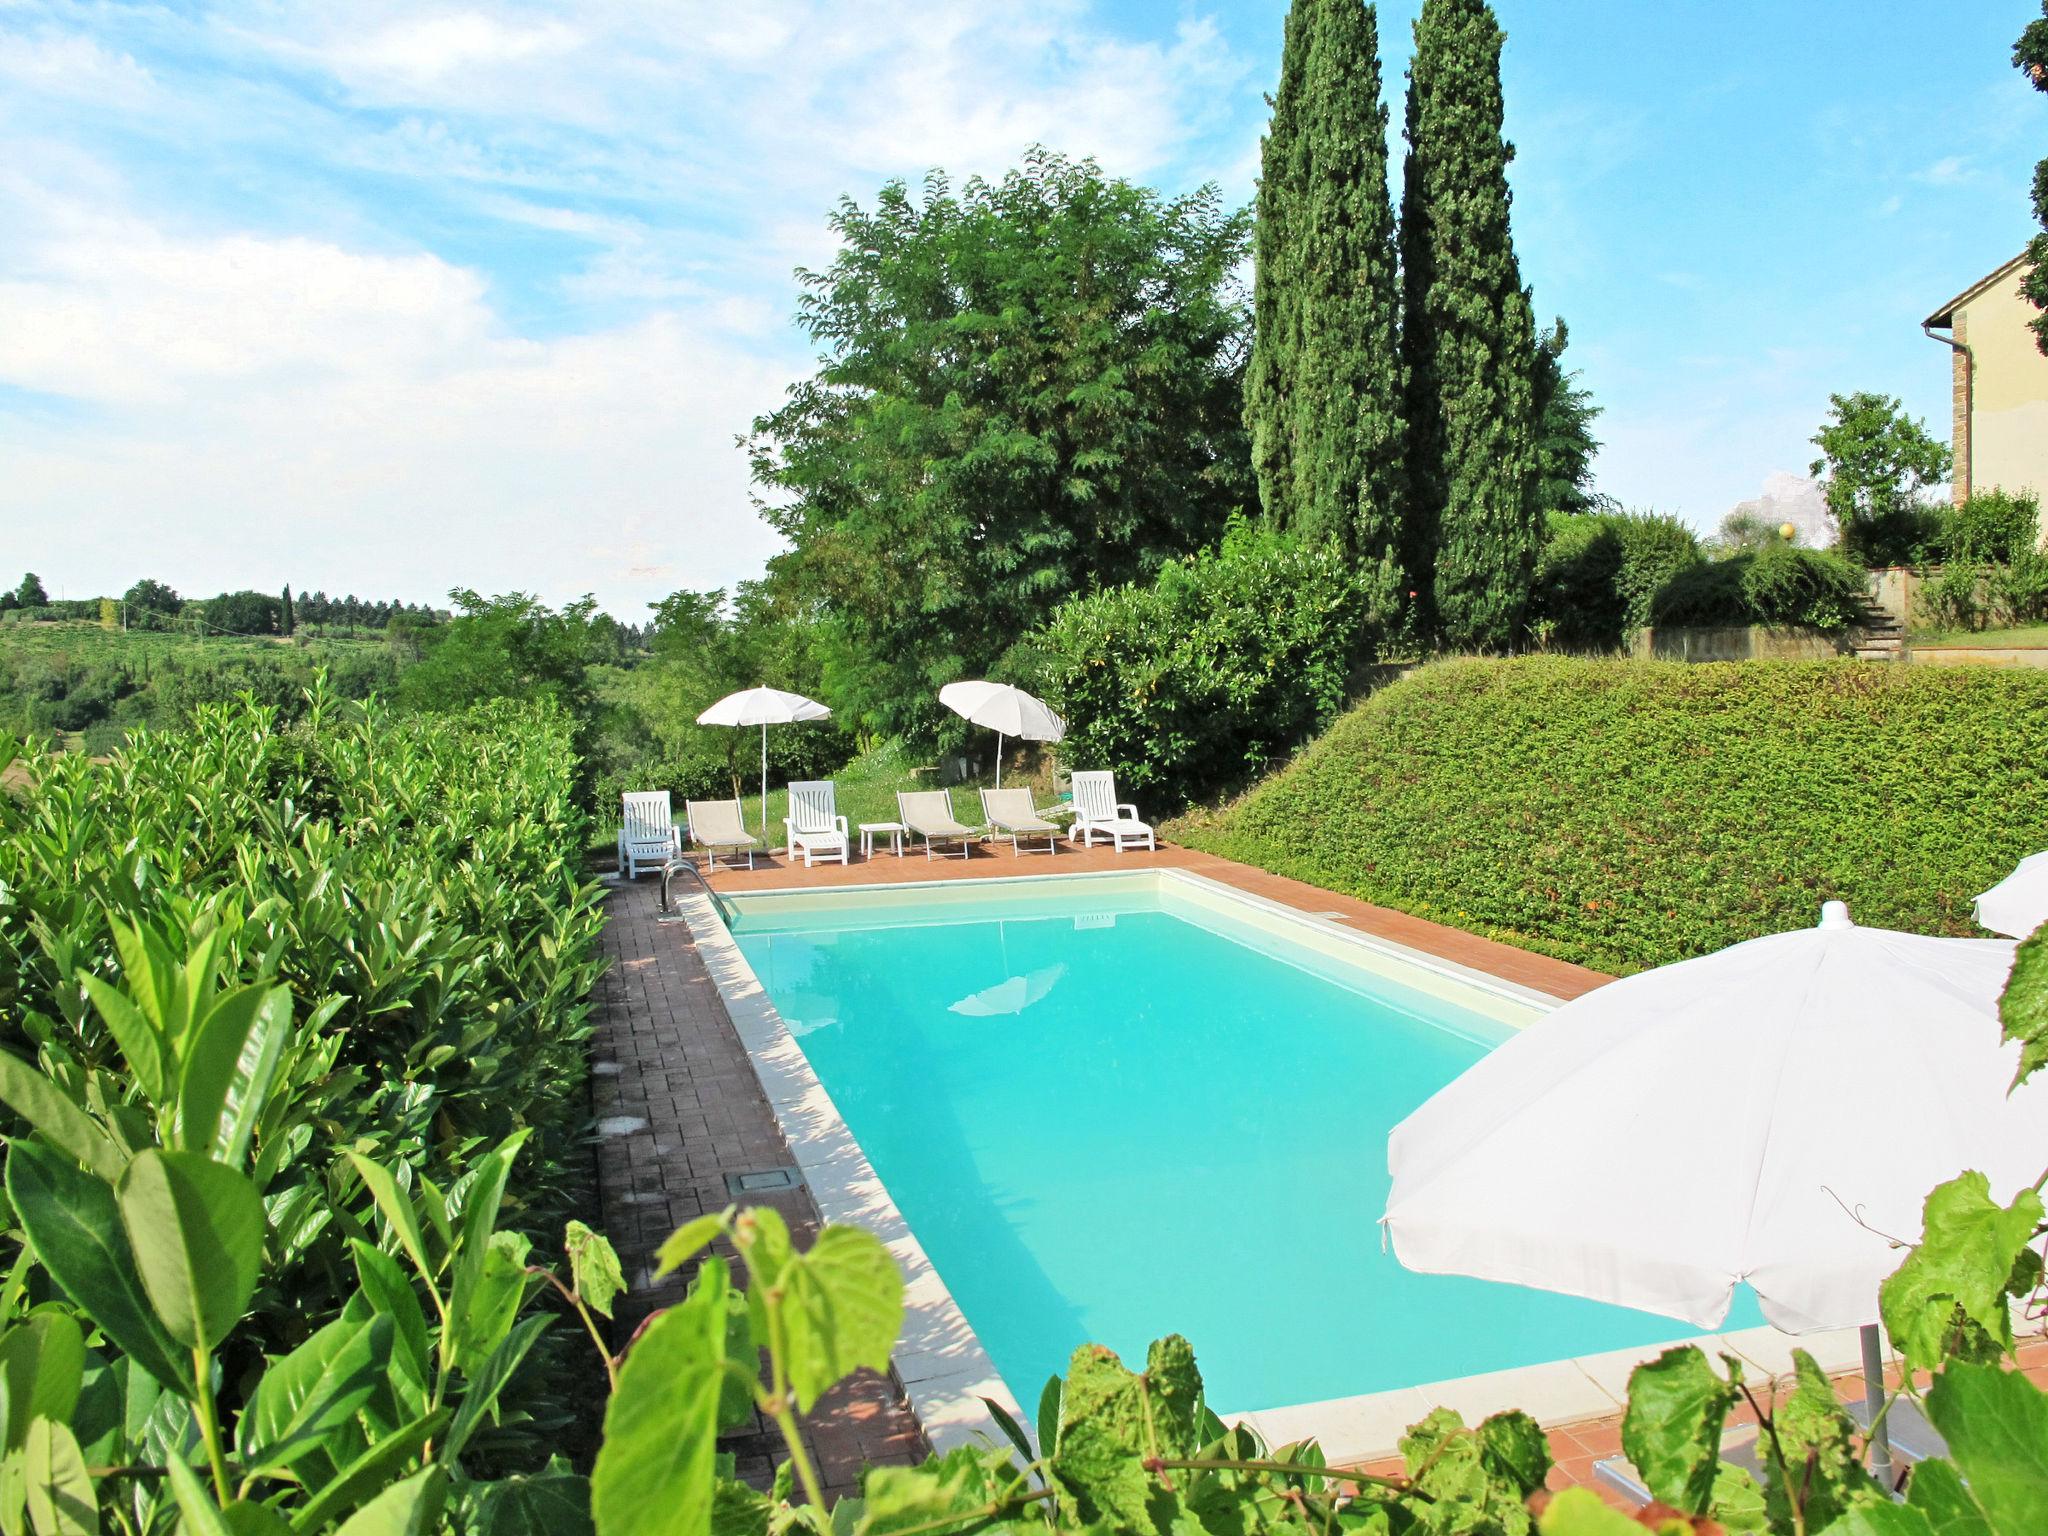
262 410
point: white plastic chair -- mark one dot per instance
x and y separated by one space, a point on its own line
1097 811
647 831
814 826
1012 814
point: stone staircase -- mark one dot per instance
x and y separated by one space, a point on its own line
1878 634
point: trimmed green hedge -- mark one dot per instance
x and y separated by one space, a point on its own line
1625 814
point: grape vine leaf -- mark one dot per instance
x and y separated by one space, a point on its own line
842 1307
1513 1446
1937 1492
2023 1009
1677 1406
593 1268
1996 1425
1175 1387
1949 1296
1818 1439
1581 1512
1102 1440
654 1472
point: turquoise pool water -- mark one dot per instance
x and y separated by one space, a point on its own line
1110 1114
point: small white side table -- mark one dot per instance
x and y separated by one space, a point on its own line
868 829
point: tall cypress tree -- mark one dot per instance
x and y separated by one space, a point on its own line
1468 338
1324 399
1269 384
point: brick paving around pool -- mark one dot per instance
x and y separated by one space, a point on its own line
680 1112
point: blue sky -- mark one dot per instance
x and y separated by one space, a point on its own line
394 297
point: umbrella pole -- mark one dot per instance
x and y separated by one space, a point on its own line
999 759
1879 1446
764 782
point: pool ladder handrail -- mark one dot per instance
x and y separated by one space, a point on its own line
682 865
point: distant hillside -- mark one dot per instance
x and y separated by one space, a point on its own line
1625 814
84 687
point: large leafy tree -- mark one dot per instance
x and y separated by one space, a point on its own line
1029 388
1323 399
1877 461
2030 57
1468 339
1565 444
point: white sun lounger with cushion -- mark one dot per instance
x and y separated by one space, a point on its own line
1011 812
1098 813
814 826
647 831
720 826
929 814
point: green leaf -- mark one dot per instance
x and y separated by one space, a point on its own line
195 1503
305 1395
42 1363
1819 1442
488 1383
1582 1512
1677 1405
1103 1440
1012 1430
1174 1385
494 1300
196 1227
1937 1491
1949 1296
2023 1008
369 1472
398 1211
410 1508
688 1240
61 1500
654 1471
384 1288
554 1502
1996 1424
246 1517
1739 1502
228 1071
961 1484
1048 1421
1512 1447
473 1244
737 1510
142 1046
842 1307
75 1224
1883 1519
30 1094
593 1268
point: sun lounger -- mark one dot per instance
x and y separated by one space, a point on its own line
814 826
1098 813
1011 812
720 825
647 831
929 814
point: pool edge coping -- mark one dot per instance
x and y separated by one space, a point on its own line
939 1362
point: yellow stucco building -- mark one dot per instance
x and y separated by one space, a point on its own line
2000 396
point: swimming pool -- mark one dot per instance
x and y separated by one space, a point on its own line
1113 1107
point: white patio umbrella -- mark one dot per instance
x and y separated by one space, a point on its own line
763 707
2018 904
1723 1120
1005 709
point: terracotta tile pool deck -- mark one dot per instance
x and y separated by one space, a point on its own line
681 1113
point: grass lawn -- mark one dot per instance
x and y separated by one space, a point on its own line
2025 635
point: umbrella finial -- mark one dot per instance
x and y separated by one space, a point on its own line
1835 914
